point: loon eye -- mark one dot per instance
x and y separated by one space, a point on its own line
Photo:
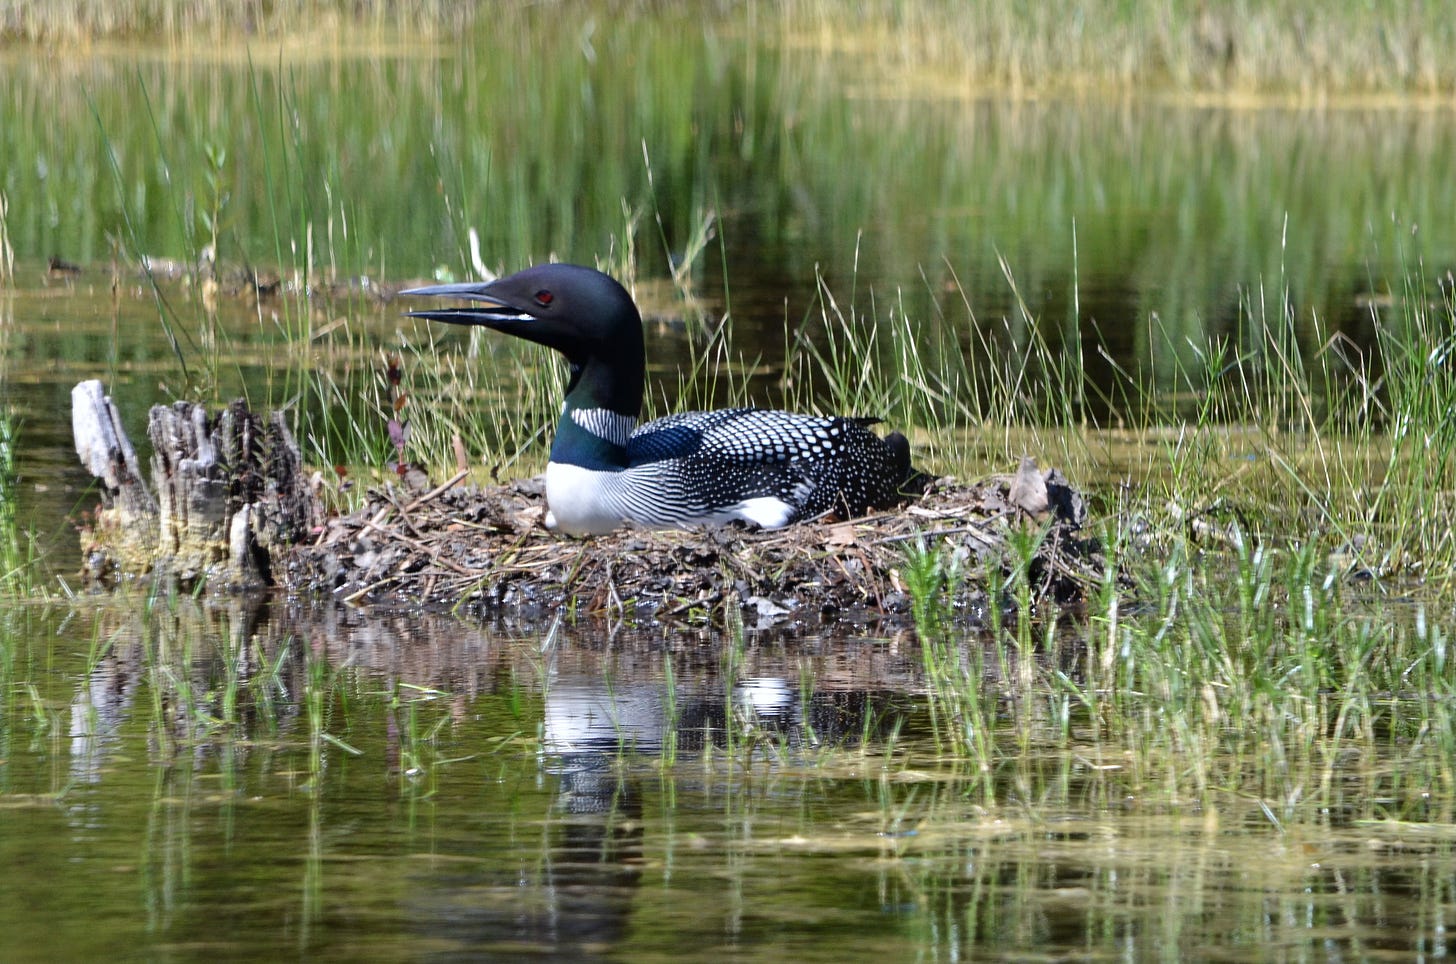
544 297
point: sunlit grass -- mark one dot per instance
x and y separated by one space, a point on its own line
1255 676
1305 50
1246 642
197 21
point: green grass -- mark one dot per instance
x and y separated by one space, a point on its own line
18 559
1264 645
7 253
1250 675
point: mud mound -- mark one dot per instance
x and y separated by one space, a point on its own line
487 550
231 508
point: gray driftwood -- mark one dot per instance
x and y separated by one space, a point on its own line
229 492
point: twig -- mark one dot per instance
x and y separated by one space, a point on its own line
360 594
974 529
435 492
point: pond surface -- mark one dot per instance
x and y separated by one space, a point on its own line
213 783
209 782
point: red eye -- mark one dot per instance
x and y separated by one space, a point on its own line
543 297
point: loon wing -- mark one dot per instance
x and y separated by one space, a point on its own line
810 463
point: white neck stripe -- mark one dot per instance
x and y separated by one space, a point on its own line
605 424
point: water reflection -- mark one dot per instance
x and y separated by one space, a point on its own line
587 720
98 710
276 779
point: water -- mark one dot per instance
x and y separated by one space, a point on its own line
219 782
195 781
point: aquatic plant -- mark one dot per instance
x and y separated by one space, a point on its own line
1252 652
1402 514
18 562
7 253
1258 673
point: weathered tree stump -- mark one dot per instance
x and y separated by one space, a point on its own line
230 492
123 535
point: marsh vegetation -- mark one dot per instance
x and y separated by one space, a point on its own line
1201 265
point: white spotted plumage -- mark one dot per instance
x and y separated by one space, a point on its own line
768 468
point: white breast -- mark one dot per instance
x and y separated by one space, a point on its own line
581 501
585 502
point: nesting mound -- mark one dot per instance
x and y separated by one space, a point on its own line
486 549
230 509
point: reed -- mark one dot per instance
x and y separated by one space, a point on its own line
1263 677
197 22
15 559
24 552
1303 49
1253 650
1407 509
418 716
7 252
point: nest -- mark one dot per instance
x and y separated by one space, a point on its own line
232 511
486 550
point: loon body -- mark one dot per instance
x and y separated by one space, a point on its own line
770 468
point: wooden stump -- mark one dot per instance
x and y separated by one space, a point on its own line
230 492
123 535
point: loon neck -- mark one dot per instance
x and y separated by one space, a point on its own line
603 400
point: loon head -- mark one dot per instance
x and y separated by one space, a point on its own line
580 312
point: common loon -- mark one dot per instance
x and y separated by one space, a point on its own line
771 468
